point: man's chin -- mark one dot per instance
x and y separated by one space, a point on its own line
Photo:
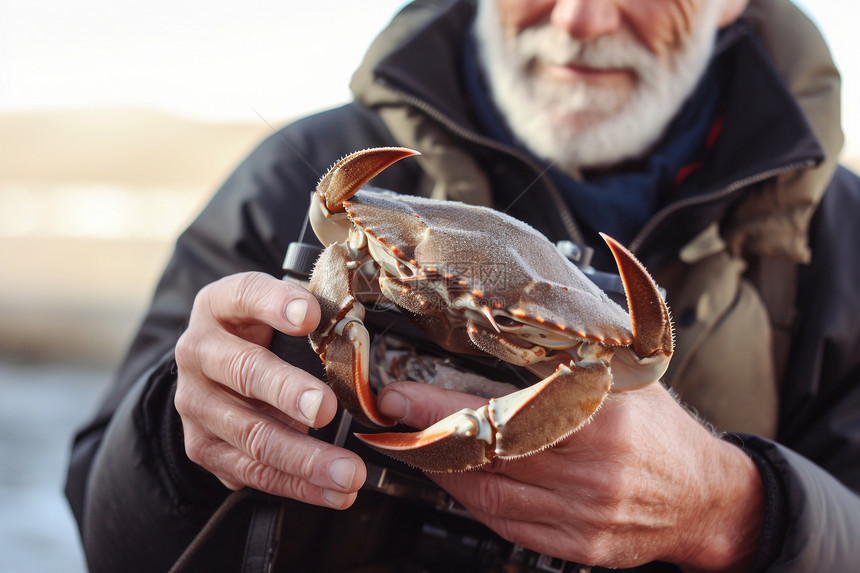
585 140
581 123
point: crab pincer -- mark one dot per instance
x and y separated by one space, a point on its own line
537 310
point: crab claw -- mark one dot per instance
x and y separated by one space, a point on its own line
460 442
352 172
509 427
347 360
653 340
327 214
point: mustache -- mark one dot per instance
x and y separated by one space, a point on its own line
617 51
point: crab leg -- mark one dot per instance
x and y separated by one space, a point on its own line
341 340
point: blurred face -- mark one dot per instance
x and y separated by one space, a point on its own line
589 83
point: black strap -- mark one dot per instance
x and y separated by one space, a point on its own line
263 534
186 560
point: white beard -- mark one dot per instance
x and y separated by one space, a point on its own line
579 125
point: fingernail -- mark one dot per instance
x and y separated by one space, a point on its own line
394 405
342 472
296 311
334 498
309 404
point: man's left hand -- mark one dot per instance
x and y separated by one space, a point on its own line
643 481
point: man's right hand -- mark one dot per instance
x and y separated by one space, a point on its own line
245 412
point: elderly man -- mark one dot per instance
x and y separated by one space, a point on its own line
703 134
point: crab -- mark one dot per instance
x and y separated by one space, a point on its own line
476 281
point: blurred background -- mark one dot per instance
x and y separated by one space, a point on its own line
118 118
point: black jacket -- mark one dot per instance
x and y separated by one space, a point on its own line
140 502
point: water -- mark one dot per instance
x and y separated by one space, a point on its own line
40 407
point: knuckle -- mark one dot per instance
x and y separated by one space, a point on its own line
491 498
285 398
247 291
602 545
255 439
205 292
186 400
506 531
185 351
182 402
259 476
202 303
196 449
242 368
309 466
615 487
301 490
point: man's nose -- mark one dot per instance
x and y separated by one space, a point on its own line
586 19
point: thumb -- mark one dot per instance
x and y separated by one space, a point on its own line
421 405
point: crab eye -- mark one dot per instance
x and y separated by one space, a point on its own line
506 321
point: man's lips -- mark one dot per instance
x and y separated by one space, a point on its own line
579 72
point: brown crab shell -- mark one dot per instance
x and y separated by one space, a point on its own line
501 261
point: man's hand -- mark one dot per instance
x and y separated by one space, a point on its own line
246 412
643 481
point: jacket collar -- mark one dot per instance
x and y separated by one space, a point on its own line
764 134
420 54
764 129
417 60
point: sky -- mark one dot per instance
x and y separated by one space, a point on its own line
248 60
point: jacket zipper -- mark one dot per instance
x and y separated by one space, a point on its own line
726 191
564 211
562 208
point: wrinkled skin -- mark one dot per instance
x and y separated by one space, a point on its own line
622 491
245 412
